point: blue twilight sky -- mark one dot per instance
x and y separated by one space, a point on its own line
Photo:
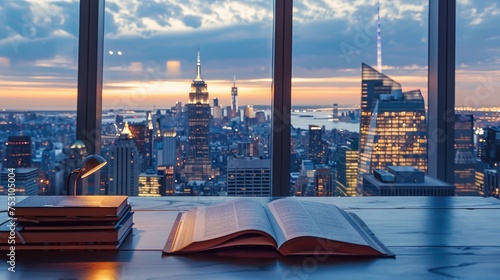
150 50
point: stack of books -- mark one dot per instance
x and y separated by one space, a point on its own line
68 223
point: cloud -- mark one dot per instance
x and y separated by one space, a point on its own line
477 12
192 21
235 37
110 25
162 13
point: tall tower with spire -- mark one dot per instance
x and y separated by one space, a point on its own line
379 40
198 164
234 99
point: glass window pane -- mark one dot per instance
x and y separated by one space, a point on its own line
359 92
38 86
477 99
186 98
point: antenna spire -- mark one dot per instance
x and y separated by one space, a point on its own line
234 81
198 68
379 40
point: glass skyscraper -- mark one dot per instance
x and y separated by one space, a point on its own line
393 126
347 168
315 144
465 163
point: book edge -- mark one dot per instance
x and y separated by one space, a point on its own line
167 249
367 231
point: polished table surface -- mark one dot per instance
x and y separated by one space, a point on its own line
432 237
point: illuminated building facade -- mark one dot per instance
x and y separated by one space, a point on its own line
465 164
323 181
315 144
393 126
217 110
248 176
124 165
18 152
26 181
142 134
347 168
198 165
488 162
167 173
150 184
249 111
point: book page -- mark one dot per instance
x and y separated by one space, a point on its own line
301 218
227 218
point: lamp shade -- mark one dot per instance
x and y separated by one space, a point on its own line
91 164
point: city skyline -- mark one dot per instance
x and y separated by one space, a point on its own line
151 52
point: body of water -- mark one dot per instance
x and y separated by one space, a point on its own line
303 120
300 120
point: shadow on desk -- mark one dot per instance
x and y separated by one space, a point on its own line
259 256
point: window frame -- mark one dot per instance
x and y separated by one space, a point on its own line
441 85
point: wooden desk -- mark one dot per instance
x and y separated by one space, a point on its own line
432 237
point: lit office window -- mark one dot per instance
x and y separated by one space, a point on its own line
359 91
187 89
38 88
477 99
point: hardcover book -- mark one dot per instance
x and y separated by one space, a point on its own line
71 206
290 226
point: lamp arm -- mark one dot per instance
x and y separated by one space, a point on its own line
67 182
69 179
76 180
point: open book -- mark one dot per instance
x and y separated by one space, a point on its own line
291 226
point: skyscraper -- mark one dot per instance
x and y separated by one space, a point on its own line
315 144
149 156
217 110
124 165
143 139
234 99
169 149
491 153
18 152
198 165
347 168
249 111
323 181
176 110
465 164
393 126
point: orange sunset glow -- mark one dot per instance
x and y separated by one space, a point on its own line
163 94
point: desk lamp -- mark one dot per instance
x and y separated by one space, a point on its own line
90 164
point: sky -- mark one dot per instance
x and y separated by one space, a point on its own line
150 51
